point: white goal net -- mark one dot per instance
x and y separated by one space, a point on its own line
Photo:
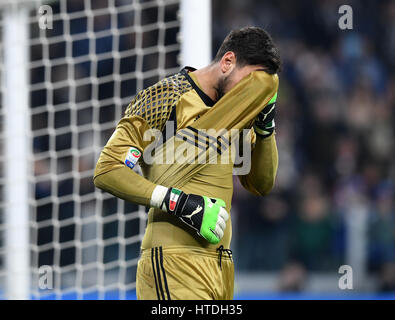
86 60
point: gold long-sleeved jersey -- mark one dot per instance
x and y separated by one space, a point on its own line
179 101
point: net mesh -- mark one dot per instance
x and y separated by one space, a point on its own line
83 73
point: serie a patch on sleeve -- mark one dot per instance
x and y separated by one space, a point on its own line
132 157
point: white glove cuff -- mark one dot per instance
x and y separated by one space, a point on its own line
157 196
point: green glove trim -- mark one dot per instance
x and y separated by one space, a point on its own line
213 212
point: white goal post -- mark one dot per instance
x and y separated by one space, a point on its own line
64 85
17 148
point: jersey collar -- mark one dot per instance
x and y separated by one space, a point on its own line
205 98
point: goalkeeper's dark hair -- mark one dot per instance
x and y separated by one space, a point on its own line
251 46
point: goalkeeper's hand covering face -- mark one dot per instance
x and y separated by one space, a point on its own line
206 215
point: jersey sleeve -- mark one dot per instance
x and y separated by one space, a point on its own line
261 179
149 110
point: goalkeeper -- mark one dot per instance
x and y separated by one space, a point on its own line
185 251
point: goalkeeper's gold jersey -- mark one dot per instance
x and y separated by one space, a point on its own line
179 101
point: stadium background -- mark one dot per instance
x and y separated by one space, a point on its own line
335 136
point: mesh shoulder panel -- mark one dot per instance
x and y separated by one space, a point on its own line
156 103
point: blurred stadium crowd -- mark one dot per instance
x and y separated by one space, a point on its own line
335 135
335 130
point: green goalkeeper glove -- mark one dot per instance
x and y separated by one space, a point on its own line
206 215
264 124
